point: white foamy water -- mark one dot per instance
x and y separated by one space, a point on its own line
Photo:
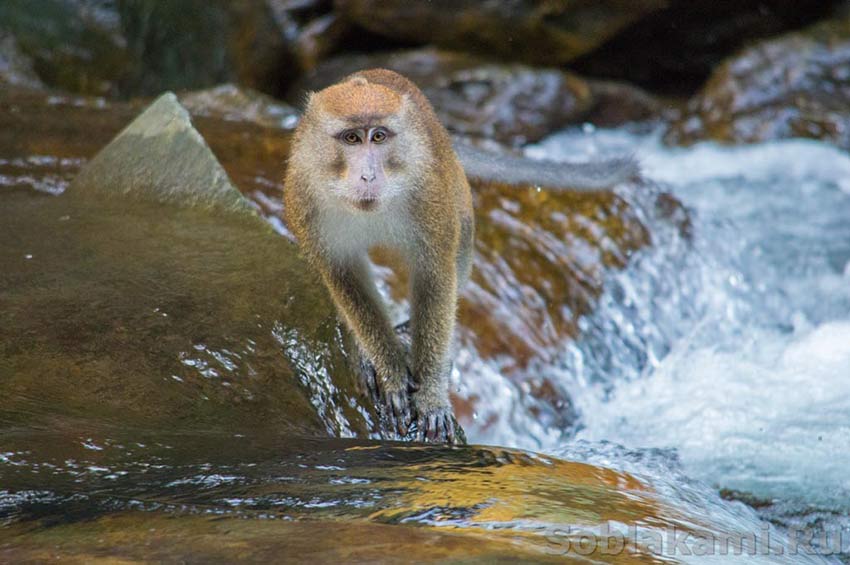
733 349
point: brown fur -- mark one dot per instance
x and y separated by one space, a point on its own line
434 229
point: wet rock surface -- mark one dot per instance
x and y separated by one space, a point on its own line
674 49
97 494
797 85
541 33
142 283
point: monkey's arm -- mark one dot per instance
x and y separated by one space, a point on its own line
432 323
353 290
509 169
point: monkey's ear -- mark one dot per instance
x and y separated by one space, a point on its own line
358 81
308 98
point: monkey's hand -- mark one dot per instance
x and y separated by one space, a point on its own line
435 422
395 393
437 426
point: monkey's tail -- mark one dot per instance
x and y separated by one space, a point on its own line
510 169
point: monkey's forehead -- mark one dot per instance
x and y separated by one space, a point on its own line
356 100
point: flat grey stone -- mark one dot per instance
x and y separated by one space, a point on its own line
160 156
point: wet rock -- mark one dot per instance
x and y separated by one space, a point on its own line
541 254
233 103
618 103
216 498
162 157
673 50
142 47
16 68
547 33
138 308
76 45
797 85
513 104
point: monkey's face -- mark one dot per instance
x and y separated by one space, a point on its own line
361 145
367 155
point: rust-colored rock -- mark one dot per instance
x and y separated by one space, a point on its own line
539 262
797 85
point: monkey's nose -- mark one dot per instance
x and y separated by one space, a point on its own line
367 177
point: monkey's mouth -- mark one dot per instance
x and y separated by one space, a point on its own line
366 204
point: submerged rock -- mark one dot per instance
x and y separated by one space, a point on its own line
797 85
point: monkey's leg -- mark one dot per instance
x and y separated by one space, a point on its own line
356 297
432 322
466 250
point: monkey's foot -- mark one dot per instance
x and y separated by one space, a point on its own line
439 426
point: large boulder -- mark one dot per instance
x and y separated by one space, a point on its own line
150 293
549 33
142 47
673 50
797 85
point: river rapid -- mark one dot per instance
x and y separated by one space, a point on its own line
727 365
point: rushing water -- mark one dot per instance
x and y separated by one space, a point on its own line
736 355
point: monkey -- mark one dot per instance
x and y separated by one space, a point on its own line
371 165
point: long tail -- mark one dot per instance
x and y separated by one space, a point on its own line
509 169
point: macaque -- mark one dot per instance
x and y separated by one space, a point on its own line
371 165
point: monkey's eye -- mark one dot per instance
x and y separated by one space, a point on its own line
350 137
379 136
